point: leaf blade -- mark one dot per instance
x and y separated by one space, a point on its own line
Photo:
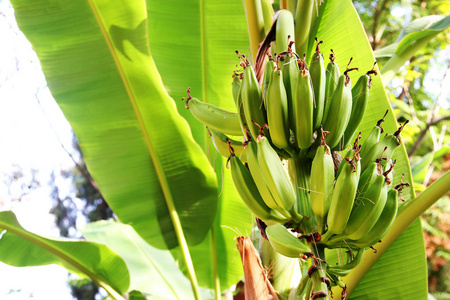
19 247
99 69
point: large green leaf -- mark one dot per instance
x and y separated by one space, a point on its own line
342 31
193 44
21 248
152 271
96 59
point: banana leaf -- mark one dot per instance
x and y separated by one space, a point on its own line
152 271
21 248
193 45
97 63
98 66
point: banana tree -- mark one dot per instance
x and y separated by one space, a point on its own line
118 70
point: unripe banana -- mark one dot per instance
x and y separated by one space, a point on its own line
284 30
342 269
384 147
374 136
366 177
303 16
318 74
351 153
246 187
339 111
322 182
222 144
290 77
383 223
268 71
214 117
343 197
303 105
332 75
277 178
253 164
360 94
277 111
236 86
285 243
367 208
252 100
236 90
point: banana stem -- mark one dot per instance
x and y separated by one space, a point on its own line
255 22
267 10
300 171
406 216
303 16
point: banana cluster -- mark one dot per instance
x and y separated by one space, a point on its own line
284 145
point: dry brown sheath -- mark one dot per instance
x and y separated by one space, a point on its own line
257 285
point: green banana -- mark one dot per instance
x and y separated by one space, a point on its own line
360 94
303 15
252 100
343 270
343 197
277 111
214 117
318 74
284 30
322 182
285 243
332 75
246 187
236 85
290 77
269 68
277 178
366 177
351 153
236 91
303 105
367 208
252 160
340 110
222 144
373 137
383 223
384 147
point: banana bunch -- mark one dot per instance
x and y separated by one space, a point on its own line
363 204
283 141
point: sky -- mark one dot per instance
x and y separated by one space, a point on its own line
28 142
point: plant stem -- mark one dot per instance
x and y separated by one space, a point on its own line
255 22
300 173
215 265
408 213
